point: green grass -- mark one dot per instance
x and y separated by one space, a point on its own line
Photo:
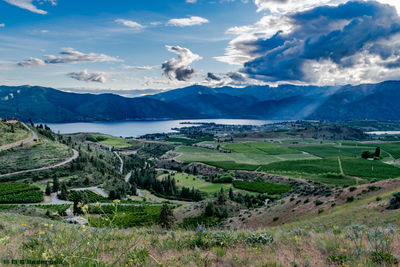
369 169
233 160
10 133
263 148
41 154
112 141
262 187
186 180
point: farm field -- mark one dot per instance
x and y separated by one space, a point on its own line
19 193
41 154
260 148
112 141
325 151
243 160
262 187
186 180
10 133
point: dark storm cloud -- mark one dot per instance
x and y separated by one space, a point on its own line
335 33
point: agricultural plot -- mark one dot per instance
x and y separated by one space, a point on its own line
10 133
19 193
260 148
44 153
183 179
111 141
262 187
325 151
234 160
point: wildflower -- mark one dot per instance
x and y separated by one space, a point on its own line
41 233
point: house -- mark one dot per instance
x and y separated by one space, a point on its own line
12 120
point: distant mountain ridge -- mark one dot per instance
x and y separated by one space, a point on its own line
286 102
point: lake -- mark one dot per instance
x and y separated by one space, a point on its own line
139 128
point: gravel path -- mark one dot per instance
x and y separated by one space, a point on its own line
121 168
75 156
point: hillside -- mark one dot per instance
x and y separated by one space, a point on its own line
285 102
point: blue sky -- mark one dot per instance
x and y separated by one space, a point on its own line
159 44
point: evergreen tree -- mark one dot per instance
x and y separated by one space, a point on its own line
167 218
64 193
78 203
48 189
221 197
231 196
56 184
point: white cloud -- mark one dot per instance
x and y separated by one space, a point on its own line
100 77
31 62
179 69
191 21
28 5
2 25
68 56
129 23
144 68
191 1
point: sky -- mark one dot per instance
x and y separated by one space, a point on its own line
121 45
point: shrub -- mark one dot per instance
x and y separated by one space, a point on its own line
259 239
350 199
318 202
275 219
353 188
395 201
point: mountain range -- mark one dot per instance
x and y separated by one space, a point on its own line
285 102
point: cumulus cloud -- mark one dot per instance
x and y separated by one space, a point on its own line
191 21
68 56
322 45
31 62
129 23
28 5
100 77
284 6
179 69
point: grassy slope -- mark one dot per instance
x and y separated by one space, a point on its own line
40 154
311 241
7 136
190 181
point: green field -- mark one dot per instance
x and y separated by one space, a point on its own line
262 187
112 141
234 160
186 140
325 151
260 148
10 133
41 154
186 180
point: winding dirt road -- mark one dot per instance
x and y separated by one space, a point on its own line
75 156
33 136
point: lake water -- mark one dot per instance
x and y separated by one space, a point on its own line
139 128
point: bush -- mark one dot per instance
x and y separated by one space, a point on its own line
256 239
318 202
395 201
350 199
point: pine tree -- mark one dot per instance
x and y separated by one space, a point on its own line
378 152
56 184
231 193
64 193
167 218
48 189
221 197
